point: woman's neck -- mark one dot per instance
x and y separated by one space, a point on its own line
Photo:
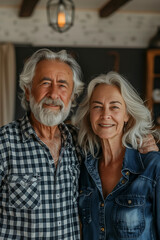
112 151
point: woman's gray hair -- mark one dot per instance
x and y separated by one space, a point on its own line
139 124
45 54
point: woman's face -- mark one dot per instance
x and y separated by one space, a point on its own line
107 112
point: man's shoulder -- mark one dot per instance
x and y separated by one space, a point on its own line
11 129
72 129
8 127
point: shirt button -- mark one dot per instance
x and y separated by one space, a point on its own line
129 201
123 181
102 229
57 195
59 223
102 204
127 173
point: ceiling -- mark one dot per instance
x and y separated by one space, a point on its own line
132 5
132 25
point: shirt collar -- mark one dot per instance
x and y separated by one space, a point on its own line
28 131
26 128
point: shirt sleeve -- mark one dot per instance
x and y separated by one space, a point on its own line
4 154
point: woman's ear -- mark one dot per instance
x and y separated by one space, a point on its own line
126 118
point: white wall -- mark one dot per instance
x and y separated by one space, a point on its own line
122 29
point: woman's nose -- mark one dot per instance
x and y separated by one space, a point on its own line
106 114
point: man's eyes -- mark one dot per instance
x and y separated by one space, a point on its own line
63 85
46 82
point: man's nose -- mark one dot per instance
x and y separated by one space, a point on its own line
53 92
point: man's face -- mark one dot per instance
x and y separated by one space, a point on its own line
50 97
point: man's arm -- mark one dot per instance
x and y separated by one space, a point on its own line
148 145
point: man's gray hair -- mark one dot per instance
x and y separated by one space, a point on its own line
139 124
45 54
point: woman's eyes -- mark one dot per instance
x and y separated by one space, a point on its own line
111 107
97 106
115 107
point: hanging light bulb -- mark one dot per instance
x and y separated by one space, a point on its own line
60 14
61 19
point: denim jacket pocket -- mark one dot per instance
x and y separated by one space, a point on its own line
85 205
23 191
128 216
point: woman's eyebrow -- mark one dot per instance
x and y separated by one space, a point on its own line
96 102
113 102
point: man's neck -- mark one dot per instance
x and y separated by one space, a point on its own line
43 131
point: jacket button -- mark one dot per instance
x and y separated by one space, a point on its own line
102 204
127 173
81 191
129 201
102 229
123 181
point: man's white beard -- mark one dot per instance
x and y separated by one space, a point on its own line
47 116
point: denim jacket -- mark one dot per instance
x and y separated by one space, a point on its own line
132 210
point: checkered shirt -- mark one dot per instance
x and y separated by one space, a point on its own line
37 201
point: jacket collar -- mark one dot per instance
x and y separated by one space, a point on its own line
133 161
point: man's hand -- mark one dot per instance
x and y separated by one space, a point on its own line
148 145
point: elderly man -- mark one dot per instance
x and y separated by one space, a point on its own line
39 160
39 167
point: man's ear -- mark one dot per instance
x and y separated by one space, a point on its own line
27 93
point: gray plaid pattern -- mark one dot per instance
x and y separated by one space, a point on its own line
37 201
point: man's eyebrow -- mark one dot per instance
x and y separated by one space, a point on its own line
45 78
63 81
49 79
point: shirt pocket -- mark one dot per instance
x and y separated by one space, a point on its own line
24 191
128 216
84 204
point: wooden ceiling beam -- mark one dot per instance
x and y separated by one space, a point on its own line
111 7
27 8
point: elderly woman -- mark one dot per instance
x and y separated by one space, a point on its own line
119 187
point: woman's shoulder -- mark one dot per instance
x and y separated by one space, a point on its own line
154 156
151 162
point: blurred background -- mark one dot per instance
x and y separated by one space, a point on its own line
103 35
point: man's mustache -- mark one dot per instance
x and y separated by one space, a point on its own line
55 102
